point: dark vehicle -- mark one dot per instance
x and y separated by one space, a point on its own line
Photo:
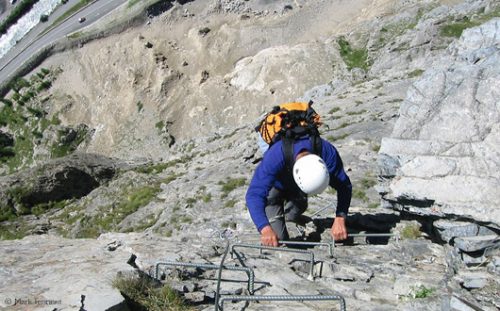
82 19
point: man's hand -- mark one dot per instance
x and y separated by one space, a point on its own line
339 231
268 237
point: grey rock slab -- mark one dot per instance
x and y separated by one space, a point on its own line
447 229
55 268
477 243
63 270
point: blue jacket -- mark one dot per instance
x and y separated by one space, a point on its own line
272 172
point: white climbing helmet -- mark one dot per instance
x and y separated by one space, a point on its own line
310 174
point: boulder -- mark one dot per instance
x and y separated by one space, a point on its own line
448 229
65 178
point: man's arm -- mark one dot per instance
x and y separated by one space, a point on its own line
340 182
260 185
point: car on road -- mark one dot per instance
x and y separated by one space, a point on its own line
82 19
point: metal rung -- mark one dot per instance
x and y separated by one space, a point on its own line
249 271
306 243
278 249
283 298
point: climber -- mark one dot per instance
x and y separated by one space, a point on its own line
277 194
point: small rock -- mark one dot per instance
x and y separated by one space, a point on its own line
474 283
148 45
204 76
195 296
41 229
113 246
184 63
473 280
204 31
362 296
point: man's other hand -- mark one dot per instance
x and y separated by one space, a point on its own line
339 231
268 237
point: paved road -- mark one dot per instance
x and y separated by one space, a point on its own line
32 42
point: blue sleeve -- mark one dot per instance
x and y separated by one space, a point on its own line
262 182
338 178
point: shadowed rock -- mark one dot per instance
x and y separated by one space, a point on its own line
65 178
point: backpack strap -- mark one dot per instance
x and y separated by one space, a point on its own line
316 144
287 145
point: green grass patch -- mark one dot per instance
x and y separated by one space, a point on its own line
24 119
206 198
70 215
341 126
143 293
231 184
110 217
421 291
355 113
229 224
75 35
454 29
411 232
373 205
360 195
131 3
353 58
62 148
415 73
368 182
186 219
14 231
230 203
40 209
7 213
160 167
160 125
144 224
333 110
333 138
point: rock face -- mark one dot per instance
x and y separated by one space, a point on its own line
442 159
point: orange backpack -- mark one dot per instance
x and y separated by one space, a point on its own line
291 120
